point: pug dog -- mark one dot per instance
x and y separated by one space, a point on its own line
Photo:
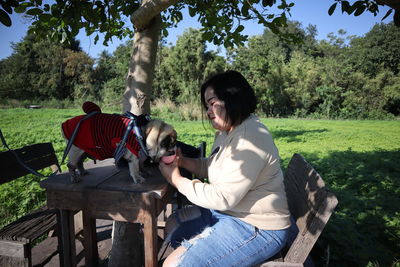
98 136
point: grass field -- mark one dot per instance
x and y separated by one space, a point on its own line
359 161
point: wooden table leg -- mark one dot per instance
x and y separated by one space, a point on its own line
66 222
150 237
90 239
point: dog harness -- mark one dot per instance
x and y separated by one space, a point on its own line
99 135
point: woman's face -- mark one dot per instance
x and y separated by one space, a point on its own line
216 111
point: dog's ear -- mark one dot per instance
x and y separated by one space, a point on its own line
174 137
152 133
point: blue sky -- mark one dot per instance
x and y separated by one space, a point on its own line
306 11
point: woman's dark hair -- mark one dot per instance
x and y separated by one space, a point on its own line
232 88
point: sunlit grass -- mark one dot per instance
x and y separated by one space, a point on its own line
359 161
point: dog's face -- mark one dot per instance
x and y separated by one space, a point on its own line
160 139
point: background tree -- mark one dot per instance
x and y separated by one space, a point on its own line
377 50
42 70
182 69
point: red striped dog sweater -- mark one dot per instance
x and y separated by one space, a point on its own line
99 135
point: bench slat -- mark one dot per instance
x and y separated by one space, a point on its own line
16 238
37 157
30 226
311 204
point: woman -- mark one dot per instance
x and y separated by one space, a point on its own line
241 216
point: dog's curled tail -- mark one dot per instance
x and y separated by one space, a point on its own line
89 107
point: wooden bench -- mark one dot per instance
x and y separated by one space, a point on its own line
311 204
16 238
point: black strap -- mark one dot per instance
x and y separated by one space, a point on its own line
69 145
21 162
72 138
135 123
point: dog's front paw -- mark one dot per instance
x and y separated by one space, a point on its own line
81 169
75 176
138 179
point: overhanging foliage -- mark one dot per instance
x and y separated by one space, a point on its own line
221 21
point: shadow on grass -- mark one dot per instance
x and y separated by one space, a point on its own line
294 135
365 227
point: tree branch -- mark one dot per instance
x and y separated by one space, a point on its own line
143 15
395 4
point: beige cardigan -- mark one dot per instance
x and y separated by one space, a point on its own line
245 178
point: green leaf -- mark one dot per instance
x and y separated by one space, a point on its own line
5 18
179 15
192 11
268 2
359 11
345 6
34 11
75 30
207 36
245 9
240 28
13 3
212 19
64 37
165 32
45 17
387 14
6 6
21 8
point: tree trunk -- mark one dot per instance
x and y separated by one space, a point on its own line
127 249
139 81
126 245
127 240
142 16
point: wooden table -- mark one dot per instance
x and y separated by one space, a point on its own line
106 193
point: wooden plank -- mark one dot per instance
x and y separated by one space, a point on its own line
13 249
105 175
310 203
37 157
6 261
60 243
108 201
154 183
44 251
78 222
30 226
150 234
97 173
68 239
89 241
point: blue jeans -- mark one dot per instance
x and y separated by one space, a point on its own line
212 238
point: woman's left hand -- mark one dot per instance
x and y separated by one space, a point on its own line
171 171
